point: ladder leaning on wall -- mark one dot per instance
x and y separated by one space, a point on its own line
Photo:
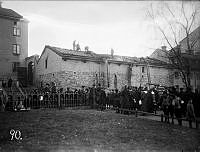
148 72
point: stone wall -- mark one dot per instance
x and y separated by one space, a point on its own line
121 72
72 79
162 76
53 67
158 75
68 73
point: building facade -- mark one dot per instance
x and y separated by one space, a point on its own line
74 69
193 61
13 44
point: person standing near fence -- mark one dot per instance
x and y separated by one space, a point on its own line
93 96
10 83
2 106
190 113
171 107
196 103
177 109
165 106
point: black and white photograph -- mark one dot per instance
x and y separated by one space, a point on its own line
99 76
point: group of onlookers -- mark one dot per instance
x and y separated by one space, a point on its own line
8 84
182 104
175 104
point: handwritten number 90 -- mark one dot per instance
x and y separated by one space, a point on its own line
15 134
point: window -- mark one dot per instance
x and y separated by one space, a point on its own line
46 62
16 31
15 23
14 66
142 69
16 49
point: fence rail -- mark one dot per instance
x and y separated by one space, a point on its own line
56 100
161 116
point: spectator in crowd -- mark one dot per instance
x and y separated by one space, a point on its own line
147 103
87 91
46 89
10 82
2 105
171 107
196 103
3 84
177 109
124 100
190 112
53 88
165 107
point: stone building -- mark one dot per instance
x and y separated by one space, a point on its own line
194 62
71 68
13 45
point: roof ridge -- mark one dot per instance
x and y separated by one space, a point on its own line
9 13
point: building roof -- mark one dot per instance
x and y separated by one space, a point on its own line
68 52
83 55
90 54
8 13
197 30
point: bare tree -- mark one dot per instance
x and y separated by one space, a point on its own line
172 23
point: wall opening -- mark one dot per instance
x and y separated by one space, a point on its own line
115 81
30 73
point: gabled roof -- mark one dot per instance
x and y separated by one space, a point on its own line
8 13
71 53
83 55
66 52
197 30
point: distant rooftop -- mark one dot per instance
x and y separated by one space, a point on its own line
8 13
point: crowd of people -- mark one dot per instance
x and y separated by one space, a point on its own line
174 103
180 104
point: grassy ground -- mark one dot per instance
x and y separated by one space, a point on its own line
90 130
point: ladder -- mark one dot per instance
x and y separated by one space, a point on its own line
148 72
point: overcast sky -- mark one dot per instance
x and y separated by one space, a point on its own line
121 25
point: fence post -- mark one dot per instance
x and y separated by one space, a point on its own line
197 124
93 97
172 120
136 112
161 117
59 100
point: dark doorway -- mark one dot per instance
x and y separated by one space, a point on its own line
115 81
30 73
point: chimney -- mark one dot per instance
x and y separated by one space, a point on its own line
86 48
164 48
112 52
